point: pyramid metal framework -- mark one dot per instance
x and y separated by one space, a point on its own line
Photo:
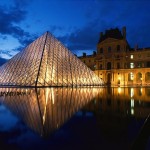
46 62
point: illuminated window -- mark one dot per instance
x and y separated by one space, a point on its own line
131 76
131 65
131 56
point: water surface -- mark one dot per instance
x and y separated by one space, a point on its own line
78 118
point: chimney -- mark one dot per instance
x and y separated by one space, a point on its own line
124 32
94 53
84 54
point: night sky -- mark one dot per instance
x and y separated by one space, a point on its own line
76 23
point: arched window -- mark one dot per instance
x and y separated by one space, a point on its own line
138 76
130 76
147 91
147 76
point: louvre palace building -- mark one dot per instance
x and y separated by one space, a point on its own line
116 63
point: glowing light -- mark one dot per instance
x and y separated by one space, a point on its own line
131 76
131 65
132 92
132 111
131 56
132 102
119 90
53 97
46 100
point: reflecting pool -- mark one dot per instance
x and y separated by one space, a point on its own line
75 118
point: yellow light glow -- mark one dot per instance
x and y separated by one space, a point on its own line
131 76
46 98
132 102
131 56
132 92
132 111
119 90
53 98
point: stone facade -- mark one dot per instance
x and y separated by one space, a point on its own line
116 63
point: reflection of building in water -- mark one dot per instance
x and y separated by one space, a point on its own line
118 111
122 101
45 110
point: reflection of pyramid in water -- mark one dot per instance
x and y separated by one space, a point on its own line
46 109
46 62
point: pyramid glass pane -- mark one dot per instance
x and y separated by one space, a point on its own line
46 62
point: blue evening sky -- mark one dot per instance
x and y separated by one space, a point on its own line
76 23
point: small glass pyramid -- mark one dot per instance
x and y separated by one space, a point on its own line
47 62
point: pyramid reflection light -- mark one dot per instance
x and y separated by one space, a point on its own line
46 109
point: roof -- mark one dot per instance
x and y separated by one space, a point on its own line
112 33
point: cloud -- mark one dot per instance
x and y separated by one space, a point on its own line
7 54
10 19
104 15
22 3
85 38
55 28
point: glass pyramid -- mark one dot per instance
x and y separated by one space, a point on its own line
46 62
